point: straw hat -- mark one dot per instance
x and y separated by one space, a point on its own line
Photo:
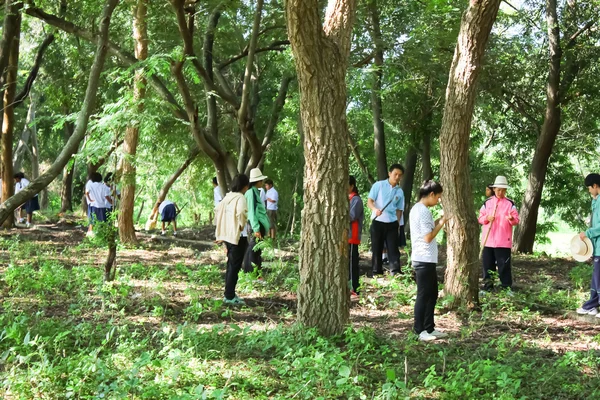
501 182
256 175
581 249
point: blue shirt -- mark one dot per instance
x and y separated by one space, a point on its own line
381 193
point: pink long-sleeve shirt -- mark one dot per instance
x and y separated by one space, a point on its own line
502 228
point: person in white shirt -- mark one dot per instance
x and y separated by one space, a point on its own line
30 205
115 193
424 258
168 213
99 200
217 196
272 206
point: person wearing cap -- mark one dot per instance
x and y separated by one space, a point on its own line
498 215
258 221
591 240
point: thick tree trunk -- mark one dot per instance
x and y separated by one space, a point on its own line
525 234
376 103
9 205
426 156
462 273
66 192
128 178
22 147
408 179
35 156
8 122
321 53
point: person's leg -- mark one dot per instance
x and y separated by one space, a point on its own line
431 294
503 260
489 265
421 275
29 217
377 239
391 240
354 272
235 256
163 227
594 300
249 259
174 227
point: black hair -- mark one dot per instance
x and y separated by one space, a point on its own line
592 179
239 182
396 166
96 177
429 187
352 181
108 178
252 184
490 186
215 180
19 175
269 182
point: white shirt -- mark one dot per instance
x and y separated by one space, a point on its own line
263 196
217 195
20 185
98 193
421 223
273 195
113 194
163 205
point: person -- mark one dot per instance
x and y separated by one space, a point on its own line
99 200
168 214
115 193
592 182
32 204
231 217
498 215
217 196
357 216
489 191
385 201
258 222
401 233
424 258
272 197
263 196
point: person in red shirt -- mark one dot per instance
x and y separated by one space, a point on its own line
357 216
498 215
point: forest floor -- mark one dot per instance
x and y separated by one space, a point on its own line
160 329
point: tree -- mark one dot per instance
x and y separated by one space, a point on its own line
462 273
321 50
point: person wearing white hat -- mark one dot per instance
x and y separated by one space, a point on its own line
258 221
589 245
498 215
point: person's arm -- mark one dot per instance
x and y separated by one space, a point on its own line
483 216
242 214
252 217
109 199
399 215
513 216
354 212
431 235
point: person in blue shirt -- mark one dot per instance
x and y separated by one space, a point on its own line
386 201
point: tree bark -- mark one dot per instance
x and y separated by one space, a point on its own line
9 205
462 273
22 147
426 156
128 178
408 179
525 234
35 154
8 121
376 103
321 51
66 192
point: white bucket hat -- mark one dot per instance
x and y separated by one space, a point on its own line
581 249
256 175
501 182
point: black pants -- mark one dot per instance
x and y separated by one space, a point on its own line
354 273
235 256
385 232
253 258
427 294
594 300
492 257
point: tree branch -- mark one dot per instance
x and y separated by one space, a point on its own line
580 32
34 70
274 46
359 160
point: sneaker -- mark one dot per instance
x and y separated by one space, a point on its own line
235 301
353 293
583 311
597 315
163 233
426 337
438 334
90 234
21 220
27 225
174 233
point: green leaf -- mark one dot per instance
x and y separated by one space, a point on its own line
26 340
344 371
390 374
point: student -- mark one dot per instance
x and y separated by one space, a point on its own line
489 191
272 205
32 204
263 196
385 201
115 193
424 257
357 217
231 219
99 199
498 215
168 214
258 222
401 233
217 197
592 181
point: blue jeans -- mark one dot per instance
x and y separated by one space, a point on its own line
594 300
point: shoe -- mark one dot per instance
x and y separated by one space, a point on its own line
174 233
483 293
597 315
163 233
21 220
438 334
90 234
353 293
426 337
236 301
27 225
583 311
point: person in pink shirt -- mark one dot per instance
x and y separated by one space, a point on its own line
498 215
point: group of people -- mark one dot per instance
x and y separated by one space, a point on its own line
242 219
100 196
30 205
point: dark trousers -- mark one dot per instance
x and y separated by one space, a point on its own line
492 257
253 258
594 300
354 273
427 294
235 256
385 232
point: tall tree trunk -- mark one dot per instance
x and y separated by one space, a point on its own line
140 34
408 179
22 145
426 156
462 273
35 153
9 205
321 51
525 234
376 103
8 122
66 192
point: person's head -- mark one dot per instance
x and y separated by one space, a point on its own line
430 193
215 182
256 178
96 177
18 176
108 178
352 185
240 183
395 174
489 190
500 185
592 182
268 184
